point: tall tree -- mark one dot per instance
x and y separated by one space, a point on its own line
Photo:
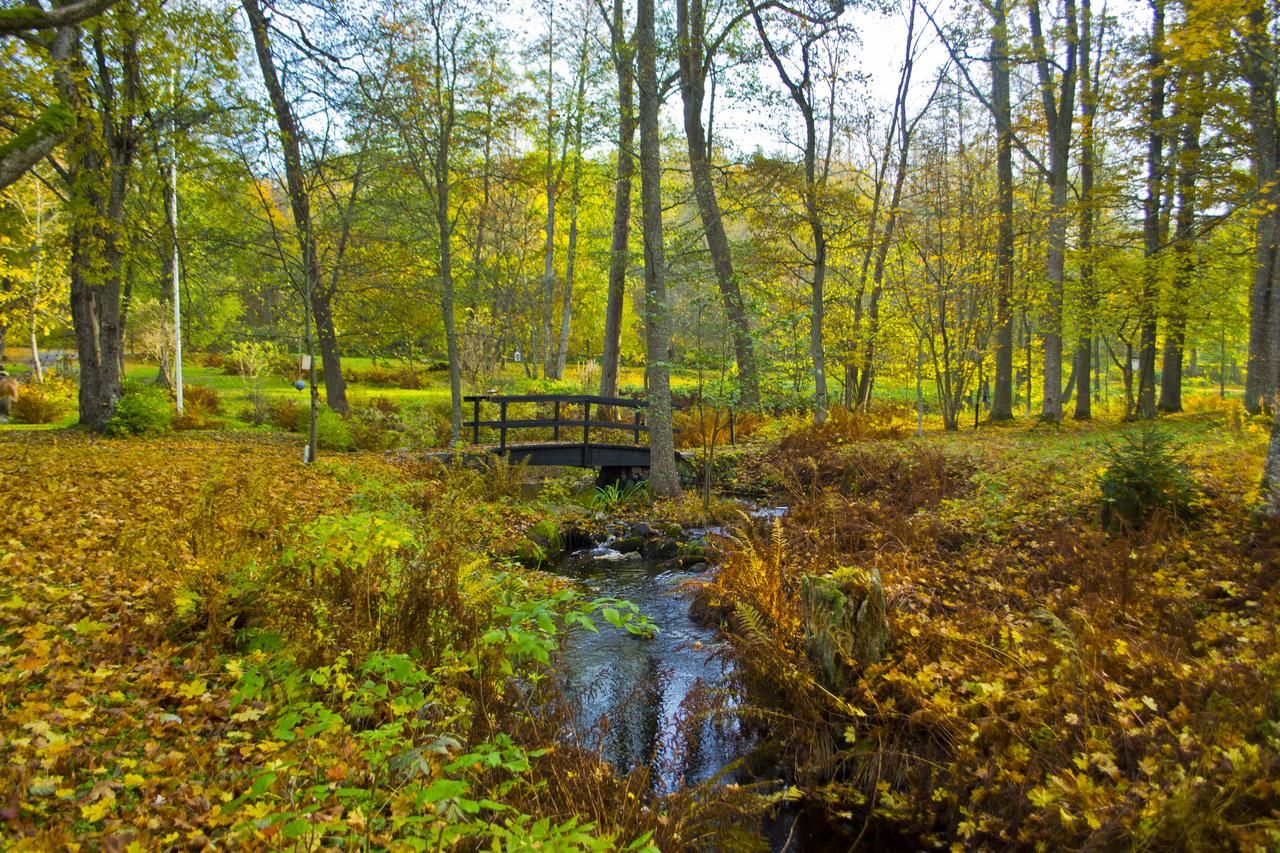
576 122
1259 62
1057 96
901 131
663 478
1151 213
1088 212
107 104
696 55
1001 110
622 52
316 296
430 68
810 31
1190 118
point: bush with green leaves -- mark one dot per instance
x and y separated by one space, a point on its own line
144 410
332 431
1146 472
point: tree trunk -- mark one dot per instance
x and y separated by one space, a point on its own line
575 198
691 24
549 279
300 204
620 253
1191 113
1151 217
1059 113
663 478
100 162
1271 472
1259 64
905 131
802 95
1002 398
818 307
1088 280
335 385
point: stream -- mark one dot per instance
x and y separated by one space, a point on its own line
634 697
636 700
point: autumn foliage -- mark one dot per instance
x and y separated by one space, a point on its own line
1051 683
204 642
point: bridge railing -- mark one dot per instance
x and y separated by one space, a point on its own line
557 422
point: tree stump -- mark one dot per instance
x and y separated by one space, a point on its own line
846 625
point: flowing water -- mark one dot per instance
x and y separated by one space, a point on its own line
636 697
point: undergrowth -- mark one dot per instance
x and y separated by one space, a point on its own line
205 643
1052 683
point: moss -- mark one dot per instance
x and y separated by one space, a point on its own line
57 120
22 18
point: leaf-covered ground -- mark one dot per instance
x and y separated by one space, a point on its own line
1051 684
203 642
113 718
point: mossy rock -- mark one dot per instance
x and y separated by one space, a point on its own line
528 553
547 535
660 549
693 552
628 544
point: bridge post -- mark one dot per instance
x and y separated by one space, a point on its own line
733 438
586 434
555 428
475 423
502 429
636 431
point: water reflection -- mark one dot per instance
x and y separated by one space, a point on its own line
641 698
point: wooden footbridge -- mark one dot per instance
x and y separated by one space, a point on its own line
573 419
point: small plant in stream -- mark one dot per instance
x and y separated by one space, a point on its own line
610 497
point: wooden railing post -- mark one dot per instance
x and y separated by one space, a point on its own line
733 436
555 429
475 428
502 428
586 433
636 432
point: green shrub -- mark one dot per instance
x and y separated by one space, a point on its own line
374 427
1146 472
427 426
195 413
285 413
143 410
377 374
252 359
332 432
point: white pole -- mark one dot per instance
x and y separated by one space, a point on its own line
173 225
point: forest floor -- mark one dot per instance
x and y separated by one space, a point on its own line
204 642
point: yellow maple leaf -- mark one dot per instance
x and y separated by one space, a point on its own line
96 811
193 689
